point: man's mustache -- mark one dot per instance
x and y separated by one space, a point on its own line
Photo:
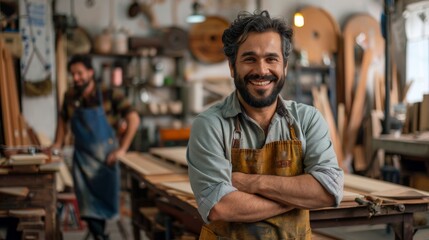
260 77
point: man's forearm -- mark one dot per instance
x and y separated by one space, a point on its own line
302 191
133 121
243 207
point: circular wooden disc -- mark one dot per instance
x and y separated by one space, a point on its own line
205 39
319 35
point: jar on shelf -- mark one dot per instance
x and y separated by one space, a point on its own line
103 42
120 41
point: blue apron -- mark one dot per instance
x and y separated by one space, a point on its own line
96 184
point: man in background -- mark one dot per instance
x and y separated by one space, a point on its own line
94 113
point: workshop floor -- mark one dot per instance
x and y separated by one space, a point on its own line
379 232
112 228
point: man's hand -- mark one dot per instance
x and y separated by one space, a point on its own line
113 156
54 149
244 182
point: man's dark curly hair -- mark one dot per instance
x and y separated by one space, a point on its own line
84 59
246 23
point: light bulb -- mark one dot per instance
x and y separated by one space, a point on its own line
298 19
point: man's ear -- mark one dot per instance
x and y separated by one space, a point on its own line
92 73
285 70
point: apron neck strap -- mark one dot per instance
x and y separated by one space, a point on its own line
237 134
292 132
236 137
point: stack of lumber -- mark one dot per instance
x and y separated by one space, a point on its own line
176 155
369 186
161 173
38 162
16 131
360 66
417 116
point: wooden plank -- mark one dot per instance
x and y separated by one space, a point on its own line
15 191
341 121
399 193
394 92
175 154
378 101
424 114
183 187
407 123
333 131
28 159
368 27
349 196
149 165
320 101
65 174
358 105
359 161
415 117
6 111
13 97
367 185
23 127
30 212
155 179
419 181
61 58
316 99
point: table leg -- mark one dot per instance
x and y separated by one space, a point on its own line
135 208
404 230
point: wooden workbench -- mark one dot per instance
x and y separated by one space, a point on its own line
414 149
182 206
41 187
405 144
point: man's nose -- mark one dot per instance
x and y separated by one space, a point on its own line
75 77
262 68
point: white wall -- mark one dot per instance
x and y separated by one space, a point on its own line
39 112
174 12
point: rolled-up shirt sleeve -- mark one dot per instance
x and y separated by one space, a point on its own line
332 180
208 168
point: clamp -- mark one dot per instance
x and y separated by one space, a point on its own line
374 205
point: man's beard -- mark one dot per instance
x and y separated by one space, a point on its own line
81 88
241 84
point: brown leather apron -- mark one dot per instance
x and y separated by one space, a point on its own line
282 158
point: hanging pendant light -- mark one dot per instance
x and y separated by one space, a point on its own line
196 16
298 19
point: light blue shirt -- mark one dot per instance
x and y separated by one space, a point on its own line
209 147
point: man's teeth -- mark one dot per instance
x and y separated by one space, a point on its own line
260 83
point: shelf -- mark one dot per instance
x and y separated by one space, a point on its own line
134 54
328 77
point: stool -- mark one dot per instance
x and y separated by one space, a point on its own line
30 222
69 212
